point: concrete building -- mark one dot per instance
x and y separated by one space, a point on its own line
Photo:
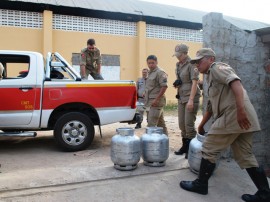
126 31
248 52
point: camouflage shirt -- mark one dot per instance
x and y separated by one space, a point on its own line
90 58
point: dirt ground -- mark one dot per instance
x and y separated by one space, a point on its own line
24 153
171 119
31 163
34 169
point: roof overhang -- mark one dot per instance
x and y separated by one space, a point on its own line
127 10
264 33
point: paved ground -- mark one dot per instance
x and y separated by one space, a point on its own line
104 183
33 169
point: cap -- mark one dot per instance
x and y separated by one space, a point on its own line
201 53
180 48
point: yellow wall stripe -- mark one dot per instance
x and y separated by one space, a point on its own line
99 85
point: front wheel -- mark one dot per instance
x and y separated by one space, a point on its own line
74 131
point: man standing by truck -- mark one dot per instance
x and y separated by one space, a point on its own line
140 89
90 61
154 94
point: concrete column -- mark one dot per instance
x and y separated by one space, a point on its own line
47 32
141 32
245 52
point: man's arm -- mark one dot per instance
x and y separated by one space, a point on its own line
190 104
98 68
82 64
82 70
205 118
161 93
99 62
207 115
194 75
137 87
238 92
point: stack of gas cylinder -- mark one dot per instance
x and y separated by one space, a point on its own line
127 148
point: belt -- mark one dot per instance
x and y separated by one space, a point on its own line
140 97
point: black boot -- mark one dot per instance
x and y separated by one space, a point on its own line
183 149
187 145
258 177
138 125
200 185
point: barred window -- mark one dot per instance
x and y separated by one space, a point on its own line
21 19
87 24
173 33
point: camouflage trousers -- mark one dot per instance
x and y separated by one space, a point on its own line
94 74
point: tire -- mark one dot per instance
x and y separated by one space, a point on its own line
74 131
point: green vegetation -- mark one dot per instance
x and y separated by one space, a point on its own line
173 108
170 107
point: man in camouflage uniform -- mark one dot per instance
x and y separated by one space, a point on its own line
90 61
235 120
140 89
154 94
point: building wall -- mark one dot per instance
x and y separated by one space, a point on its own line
15 38
246 53
164 49
72 42
43 32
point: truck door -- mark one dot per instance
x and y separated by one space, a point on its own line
18 90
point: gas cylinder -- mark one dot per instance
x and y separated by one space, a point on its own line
155 147
125 149
195 153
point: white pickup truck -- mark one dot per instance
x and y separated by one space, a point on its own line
52 96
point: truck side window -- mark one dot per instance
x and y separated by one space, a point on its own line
15 66
56 74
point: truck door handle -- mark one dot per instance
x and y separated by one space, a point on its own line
26 88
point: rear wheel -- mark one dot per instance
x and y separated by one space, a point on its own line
74 131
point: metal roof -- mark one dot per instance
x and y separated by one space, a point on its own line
128 7
152 12
246 24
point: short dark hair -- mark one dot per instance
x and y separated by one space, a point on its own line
151 57
91 42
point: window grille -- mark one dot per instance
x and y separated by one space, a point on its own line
107 60
21 19
173 33
86 24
